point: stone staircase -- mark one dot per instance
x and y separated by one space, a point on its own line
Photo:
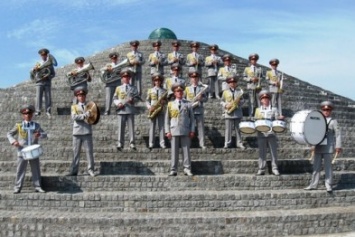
133 196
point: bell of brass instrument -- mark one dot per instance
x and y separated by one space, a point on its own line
113 75
158 106
41 72
78 76
235 103
195 102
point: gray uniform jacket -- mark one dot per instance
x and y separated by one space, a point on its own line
332 139
154 68
22 135
173 55
78 114
136 56
122 95
227 97
179 122
270 113
190 94
212 69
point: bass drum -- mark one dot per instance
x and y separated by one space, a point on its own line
308 127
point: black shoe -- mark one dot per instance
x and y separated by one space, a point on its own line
107 113
71 174
119 148
38 113
17 190
172 173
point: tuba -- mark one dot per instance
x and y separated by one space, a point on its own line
41 72
76 77
195 102
94 117
158 106
235 103
112 73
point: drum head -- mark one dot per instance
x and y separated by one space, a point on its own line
315 128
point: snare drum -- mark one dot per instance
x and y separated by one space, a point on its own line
308 127
263 125
32 152
247 127
278 126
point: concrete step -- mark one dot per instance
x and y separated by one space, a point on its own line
199 167
162 182
177 201
255 223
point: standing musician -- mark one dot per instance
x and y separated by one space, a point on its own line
136 61
174 78
197 95
157 59
21 142
252 75
156 99
225 72
274 78
267 139
232 101
115 80
43 73
179 128
326 149
79 77
194 60
82 133
213 62
175 57
125 97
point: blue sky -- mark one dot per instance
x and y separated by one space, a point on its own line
312 39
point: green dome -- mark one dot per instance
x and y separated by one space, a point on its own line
162 33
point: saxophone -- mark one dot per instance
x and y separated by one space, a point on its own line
158 106
195 102
235 103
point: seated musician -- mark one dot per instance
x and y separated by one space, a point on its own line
42 74
113 81
232 101
20 136
267 139
156 99
196 93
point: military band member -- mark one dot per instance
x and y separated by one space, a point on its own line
197 95
226 71
179 128
175 57
194 60
326 149
125 97
213 63
136 61
157 59
174 78
82 133
232 101
110 87
18 137
274 78
44 81
267 139
156 99
252 75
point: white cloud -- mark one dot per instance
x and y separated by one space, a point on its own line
36 29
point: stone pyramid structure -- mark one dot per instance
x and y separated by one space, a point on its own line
133 195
